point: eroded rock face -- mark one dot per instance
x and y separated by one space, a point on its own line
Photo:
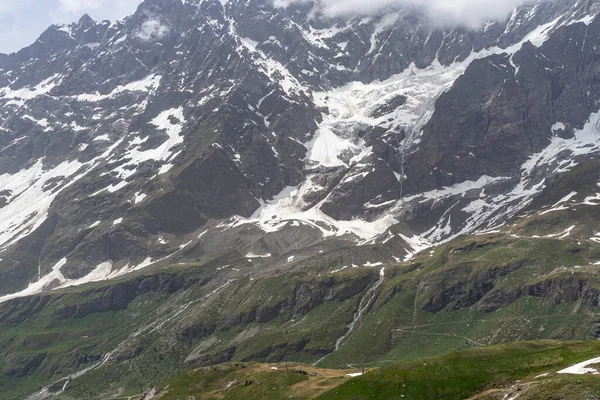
502 110
137 143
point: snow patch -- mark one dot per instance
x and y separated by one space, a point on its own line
559 206
559 126
54 278
101 272
27 93
580 369
170 121
253 255
139 197
148 84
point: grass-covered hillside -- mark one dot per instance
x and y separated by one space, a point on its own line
518 371
524 371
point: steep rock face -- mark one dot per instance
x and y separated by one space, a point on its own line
463 287
133 130
503 110
187 124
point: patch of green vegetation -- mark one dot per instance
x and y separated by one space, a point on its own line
238 382
476 291
462 374
470 292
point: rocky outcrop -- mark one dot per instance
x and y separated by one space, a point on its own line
118 296
462 286
22 366
565 290
196 332
483 295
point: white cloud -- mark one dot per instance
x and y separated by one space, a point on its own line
469 13
152 29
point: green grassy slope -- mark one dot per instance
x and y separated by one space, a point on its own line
525 370
469 372
471 292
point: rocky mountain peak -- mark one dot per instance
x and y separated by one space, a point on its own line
86 21
190 125
218 177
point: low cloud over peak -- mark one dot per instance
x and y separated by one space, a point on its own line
152 29
446 13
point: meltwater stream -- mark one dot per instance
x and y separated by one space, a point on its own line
364 305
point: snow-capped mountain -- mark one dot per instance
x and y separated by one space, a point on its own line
193 127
